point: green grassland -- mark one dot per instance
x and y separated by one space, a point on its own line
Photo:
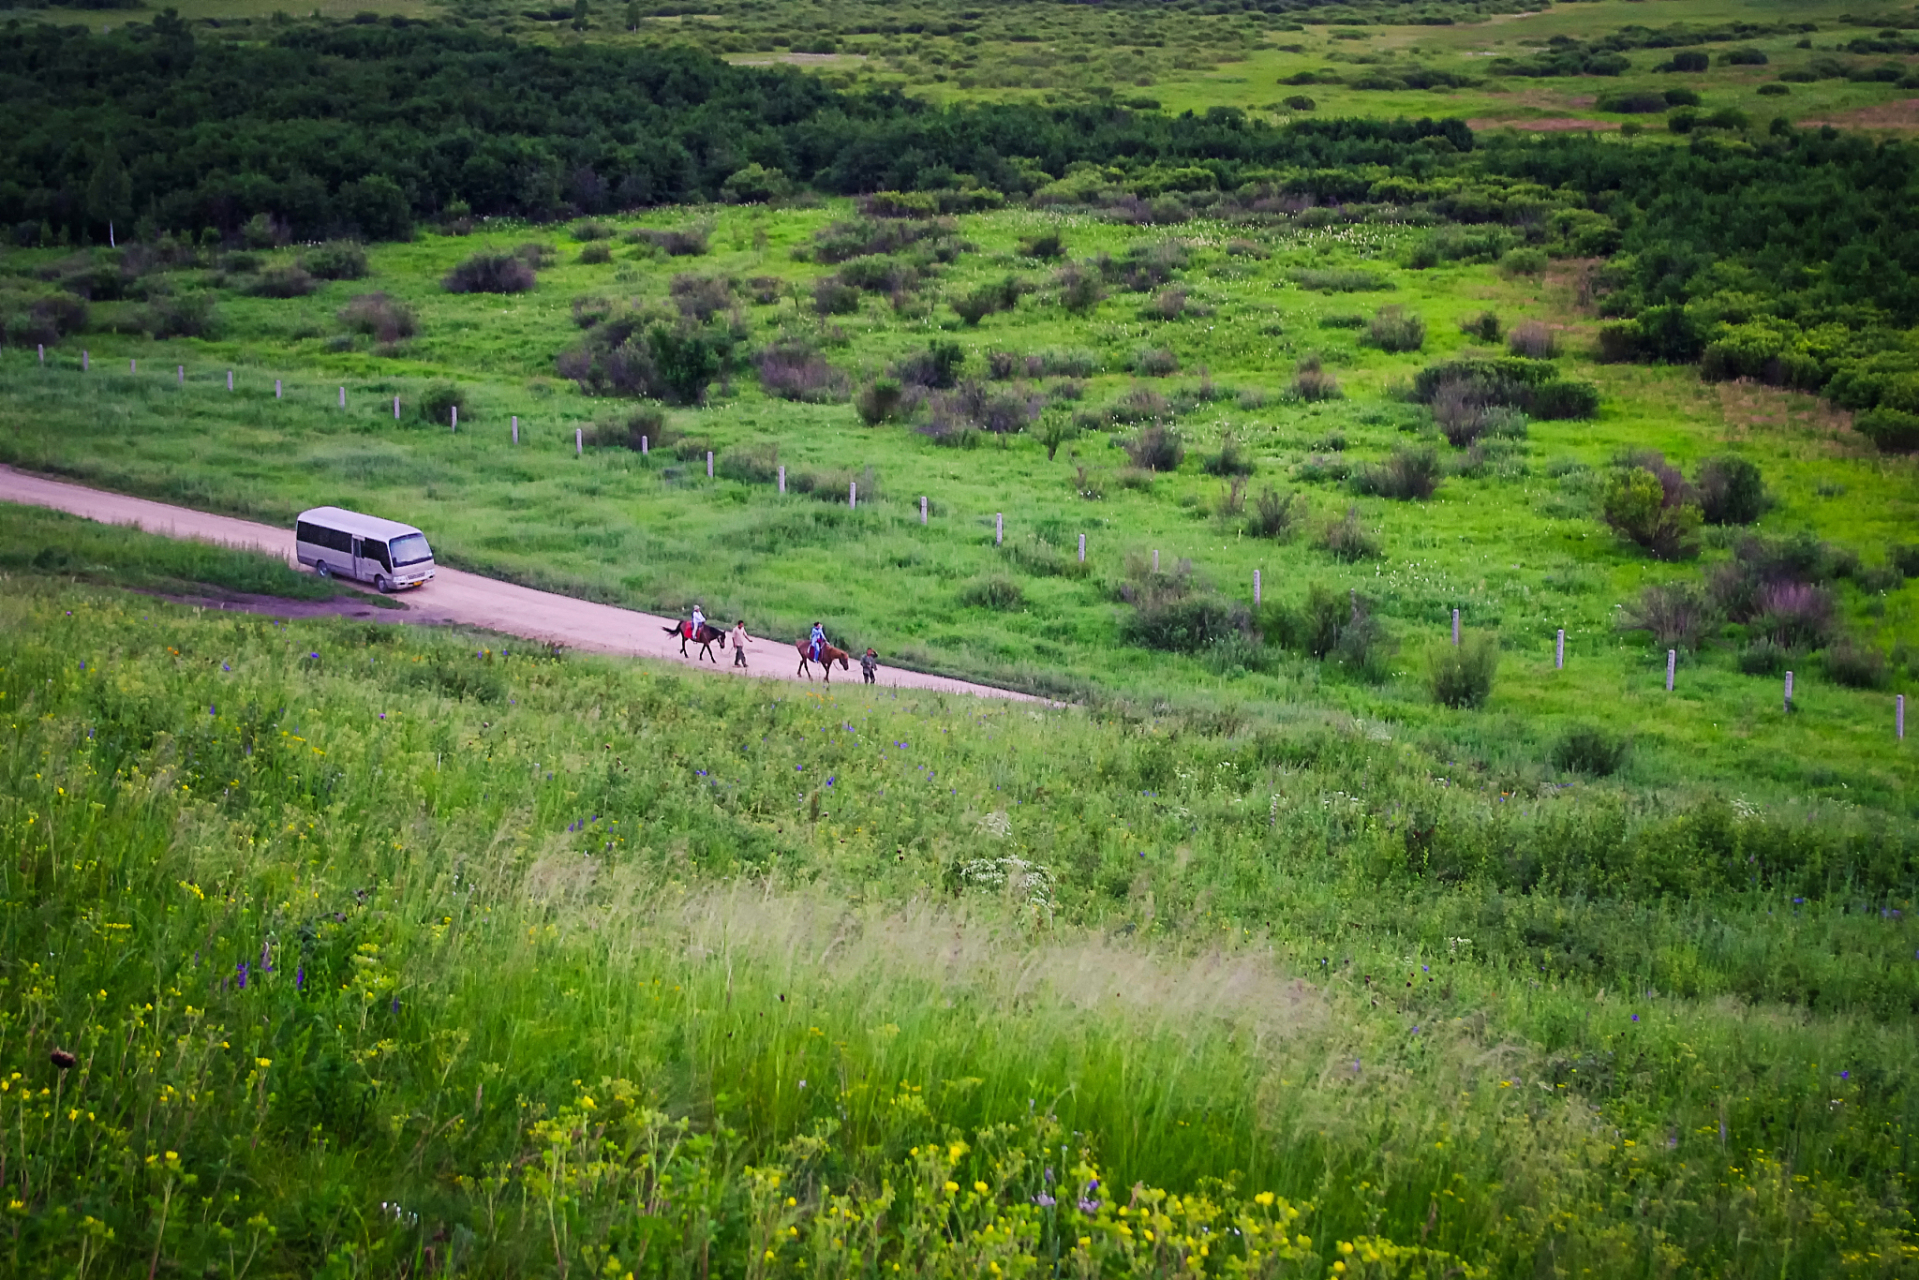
1183 60
380 951
1513 541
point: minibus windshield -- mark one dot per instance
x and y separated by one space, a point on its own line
410 549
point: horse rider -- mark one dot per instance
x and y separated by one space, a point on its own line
819 640
699 621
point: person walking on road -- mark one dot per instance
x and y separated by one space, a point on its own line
739 643
869 663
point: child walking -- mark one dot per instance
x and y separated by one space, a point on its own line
869 663
739 643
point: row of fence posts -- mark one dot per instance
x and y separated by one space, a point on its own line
999 524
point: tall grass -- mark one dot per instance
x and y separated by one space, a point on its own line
373 973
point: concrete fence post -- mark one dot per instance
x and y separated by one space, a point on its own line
579 441
782 479
852 495
229 379
396 408
1155 559
999 528
84 365
516 428
1789 691
1256 586
922 508
278 393
1559 651
43 354
1899 717
1082 548
133 366
709 464
456 417
180 374
1672 665
343 397
1455 626
643 446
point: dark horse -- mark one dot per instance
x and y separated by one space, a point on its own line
828 656
705 637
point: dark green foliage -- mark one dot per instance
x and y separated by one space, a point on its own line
633 430
1332 625
1312 383
1687 60
1398 330
60 545
750 463
379 317
1589 749
937 367
490 273
1299 102
1186 625
1533 341
1891 430
1764 658
1411 474
287 281
1856 665
1731 490
1774 90
439 399
1744 58
1652 506
1462 675
185 315
1533 386
1676 614
336 260
1276 514
1341 280
882 400
1483 327
1231 460
1157 448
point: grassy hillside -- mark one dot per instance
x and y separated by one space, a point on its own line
378 951
1512 536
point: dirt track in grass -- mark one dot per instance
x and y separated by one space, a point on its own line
453 598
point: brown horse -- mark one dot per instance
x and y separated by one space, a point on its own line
828 656
704 637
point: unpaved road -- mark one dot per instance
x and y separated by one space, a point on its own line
464 599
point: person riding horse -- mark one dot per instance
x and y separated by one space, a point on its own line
818 641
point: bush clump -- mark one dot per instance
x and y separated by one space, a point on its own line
382 318
1396 329
1651 505
336 260
1312 383
795 370
674 242
288 281
1676 614
1462 675
1231 460
1589 749
1890 430
1334 625
1731 490
1484 327
490 273
1533 340
750 463
1156 448
1276 514
1411 474
629 431
1856 665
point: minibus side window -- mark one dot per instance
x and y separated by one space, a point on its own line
375 550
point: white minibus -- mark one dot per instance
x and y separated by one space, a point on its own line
386 553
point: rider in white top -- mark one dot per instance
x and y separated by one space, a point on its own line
699 619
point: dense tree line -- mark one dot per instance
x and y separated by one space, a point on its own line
364 128
1788 256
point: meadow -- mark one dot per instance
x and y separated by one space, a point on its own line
352 950
1296 934
1511 537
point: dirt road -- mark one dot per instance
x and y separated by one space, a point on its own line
464 599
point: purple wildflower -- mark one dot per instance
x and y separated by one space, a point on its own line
396 1004
300 978
1044 1201
1087 1205
243 975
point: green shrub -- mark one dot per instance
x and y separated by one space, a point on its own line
1312 383
379 317
1856 665
336 260
1762 657
1681 97
1341 280
1731 490
439 399
1636 506
1396 329
1188 625
589 229
596 255
1462 675
1299 102
1744 58
1156 448
1276 515
1774 90
750 463
996 592
490 273
1332 625
1589 749
1231 460
1892 430
1523 262
1534 341
1484 327
286 281
1411 474
881 400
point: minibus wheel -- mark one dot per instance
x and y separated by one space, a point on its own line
324 569
381 584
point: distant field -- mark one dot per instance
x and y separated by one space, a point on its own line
1183 60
